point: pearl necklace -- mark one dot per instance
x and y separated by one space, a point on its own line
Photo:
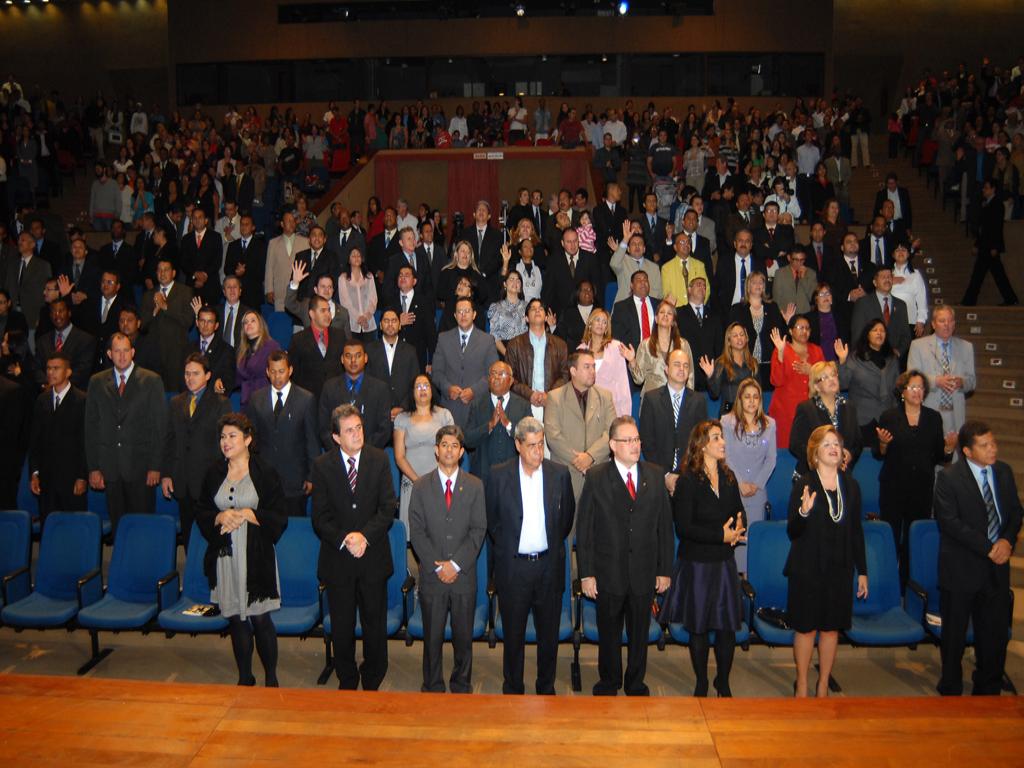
836 513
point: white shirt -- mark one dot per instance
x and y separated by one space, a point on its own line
879 243
585 311
739 291
408 299
344 461
444 482
882 298
126 373
62 393
895 197
227 311
389 352
631 471
166 289
638 306
409 220
913 293
464 335
533 537
284 395
504 406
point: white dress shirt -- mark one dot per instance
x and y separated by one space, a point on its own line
534 535
625 471
285 390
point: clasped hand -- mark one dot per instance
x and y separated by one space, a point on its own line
230 520
733 530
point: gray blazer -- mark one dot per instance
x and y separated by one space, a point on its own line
926 356
788 290
299 308
872 391
438 533
452 366
124 434
567 430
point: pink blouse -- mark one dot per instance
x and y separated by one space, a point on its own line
613 375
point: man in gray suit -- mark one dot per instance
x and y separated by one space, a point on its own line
447 525
125 423
461 362
284 416
576 420
492 421
882 305
948 363
25 279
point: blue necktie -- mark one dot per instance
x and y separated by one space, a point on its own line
994 523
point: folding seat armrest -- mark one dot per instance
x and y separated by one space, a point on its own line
922 595
407 585
167 590
89 588
16 585
751 595
577 596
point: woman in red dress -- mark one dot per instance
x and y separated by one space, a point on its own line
791 368
341 156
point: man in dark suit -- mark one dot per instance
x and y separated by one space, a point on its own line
716 178
48 250
355 386
447 526
519 352
120 256
239 187
284 417
415 313
850 276
125 420
819 255
318 260
486 244
882 305
530 509
56 460
653 227
667 416
26 277
627 317
219 354
167 317
353 507
893 191
202 254
608 218
878 245
80 270
315 352
343 238
744 217
733 270
408 256
461 362
193 439
989 246
700 246
773 240
431 253
567 268
701 325
246 259
394 362
145 248
624 551
77 345
492 421
572 320
383 246
231 311
979 515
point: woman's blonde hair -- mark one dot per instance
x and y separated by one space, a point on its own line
816 439
245 346
750 279
454 263
588 334
817 370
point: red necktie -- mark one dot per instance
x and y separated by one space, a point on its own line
885 311
645 322
629 485
199 240
59 342
448 493
122 385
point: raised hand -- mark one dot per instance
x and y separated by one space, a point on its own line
778 340
884 436
299 272
196 304
627 352
842 350
807 501
707 365
789 311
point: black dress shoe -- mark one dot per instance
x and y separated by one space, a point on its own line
1013 303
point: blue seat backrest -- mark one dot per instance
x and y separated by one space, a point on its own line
70 548
767 550
396 540
97 503
297 551
236 402
924 559
866 472
280 326
780 484
396 478
883 571
144 552
27 500
195 584
15 540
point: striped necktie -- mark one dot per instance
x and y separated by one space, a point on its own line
352 474
994 524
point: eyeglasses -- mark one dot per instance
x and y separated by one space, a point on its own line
915 388
824 293
627 440
500 375
422 387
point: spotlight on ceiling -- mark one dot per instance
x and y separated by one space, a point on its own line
520 10
623 8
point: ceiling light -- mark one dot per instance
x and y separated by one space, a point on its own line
520 10
623 8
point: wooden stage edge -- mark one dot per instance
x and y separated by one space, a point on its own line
84 721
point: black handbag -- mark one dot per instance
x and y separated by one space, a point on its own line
776 617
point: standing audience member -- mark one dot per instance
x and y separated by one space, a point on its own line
882 305
492 422
761 318
827 545
393 361
736 364
791 367
989 247
241 515
167 317
253 353
947 361
72 342
701 325
461 362
611 358
315 352
827 327
370 396
869 376
537 358
824 405
648 367
219 354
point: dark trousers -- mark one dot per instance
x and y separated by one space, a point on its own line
532 589
295 506
187 516
989 609
128 497
371 597
58 496
436 608
984 263
612 611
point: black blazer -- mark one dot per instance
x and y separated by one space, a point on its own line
193 442
888 246
404 369
622 542
654 238
337 513
373 400
261 562
422 334
57 443
242 193
477 434
740 313
842 326
310 368
125 262
626 324
89 280
488 258
326 264
767 246
505 521
289 442
424 276
838 275
379 255
907 214
726 277
570 327
169 332
207 258
560 286
239 314
810 554
605 223
79 346
660 437
705 338
963 524
145 257
809 417
254 258
700 516
432 265
223 363
89 317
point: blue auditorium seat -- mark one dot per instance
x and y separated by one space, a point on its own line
297 551
923 570
767 550
196 591
168 508
280 326
15 555
96 502
236 401
780 484
396 475
27 500
866 472
138 585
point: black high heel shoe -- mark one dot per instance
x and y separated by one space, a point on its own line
700 690
724 692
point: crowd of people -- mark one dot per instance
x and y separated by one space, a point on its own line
574 351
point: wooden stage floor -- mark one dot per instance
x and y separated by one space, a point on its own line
84 721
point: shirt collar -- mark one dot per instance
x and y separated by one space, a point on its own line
443 477
61 393
283 390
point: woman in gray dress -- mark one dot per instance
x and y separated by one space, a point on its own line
241 514
414 441
750 450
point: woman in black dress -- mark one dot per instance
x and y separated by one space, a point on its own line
241 514
827 544
911 445
759 317
705 592
825 406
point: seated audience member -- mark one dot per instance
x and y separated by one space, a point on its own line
824 406
355 386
